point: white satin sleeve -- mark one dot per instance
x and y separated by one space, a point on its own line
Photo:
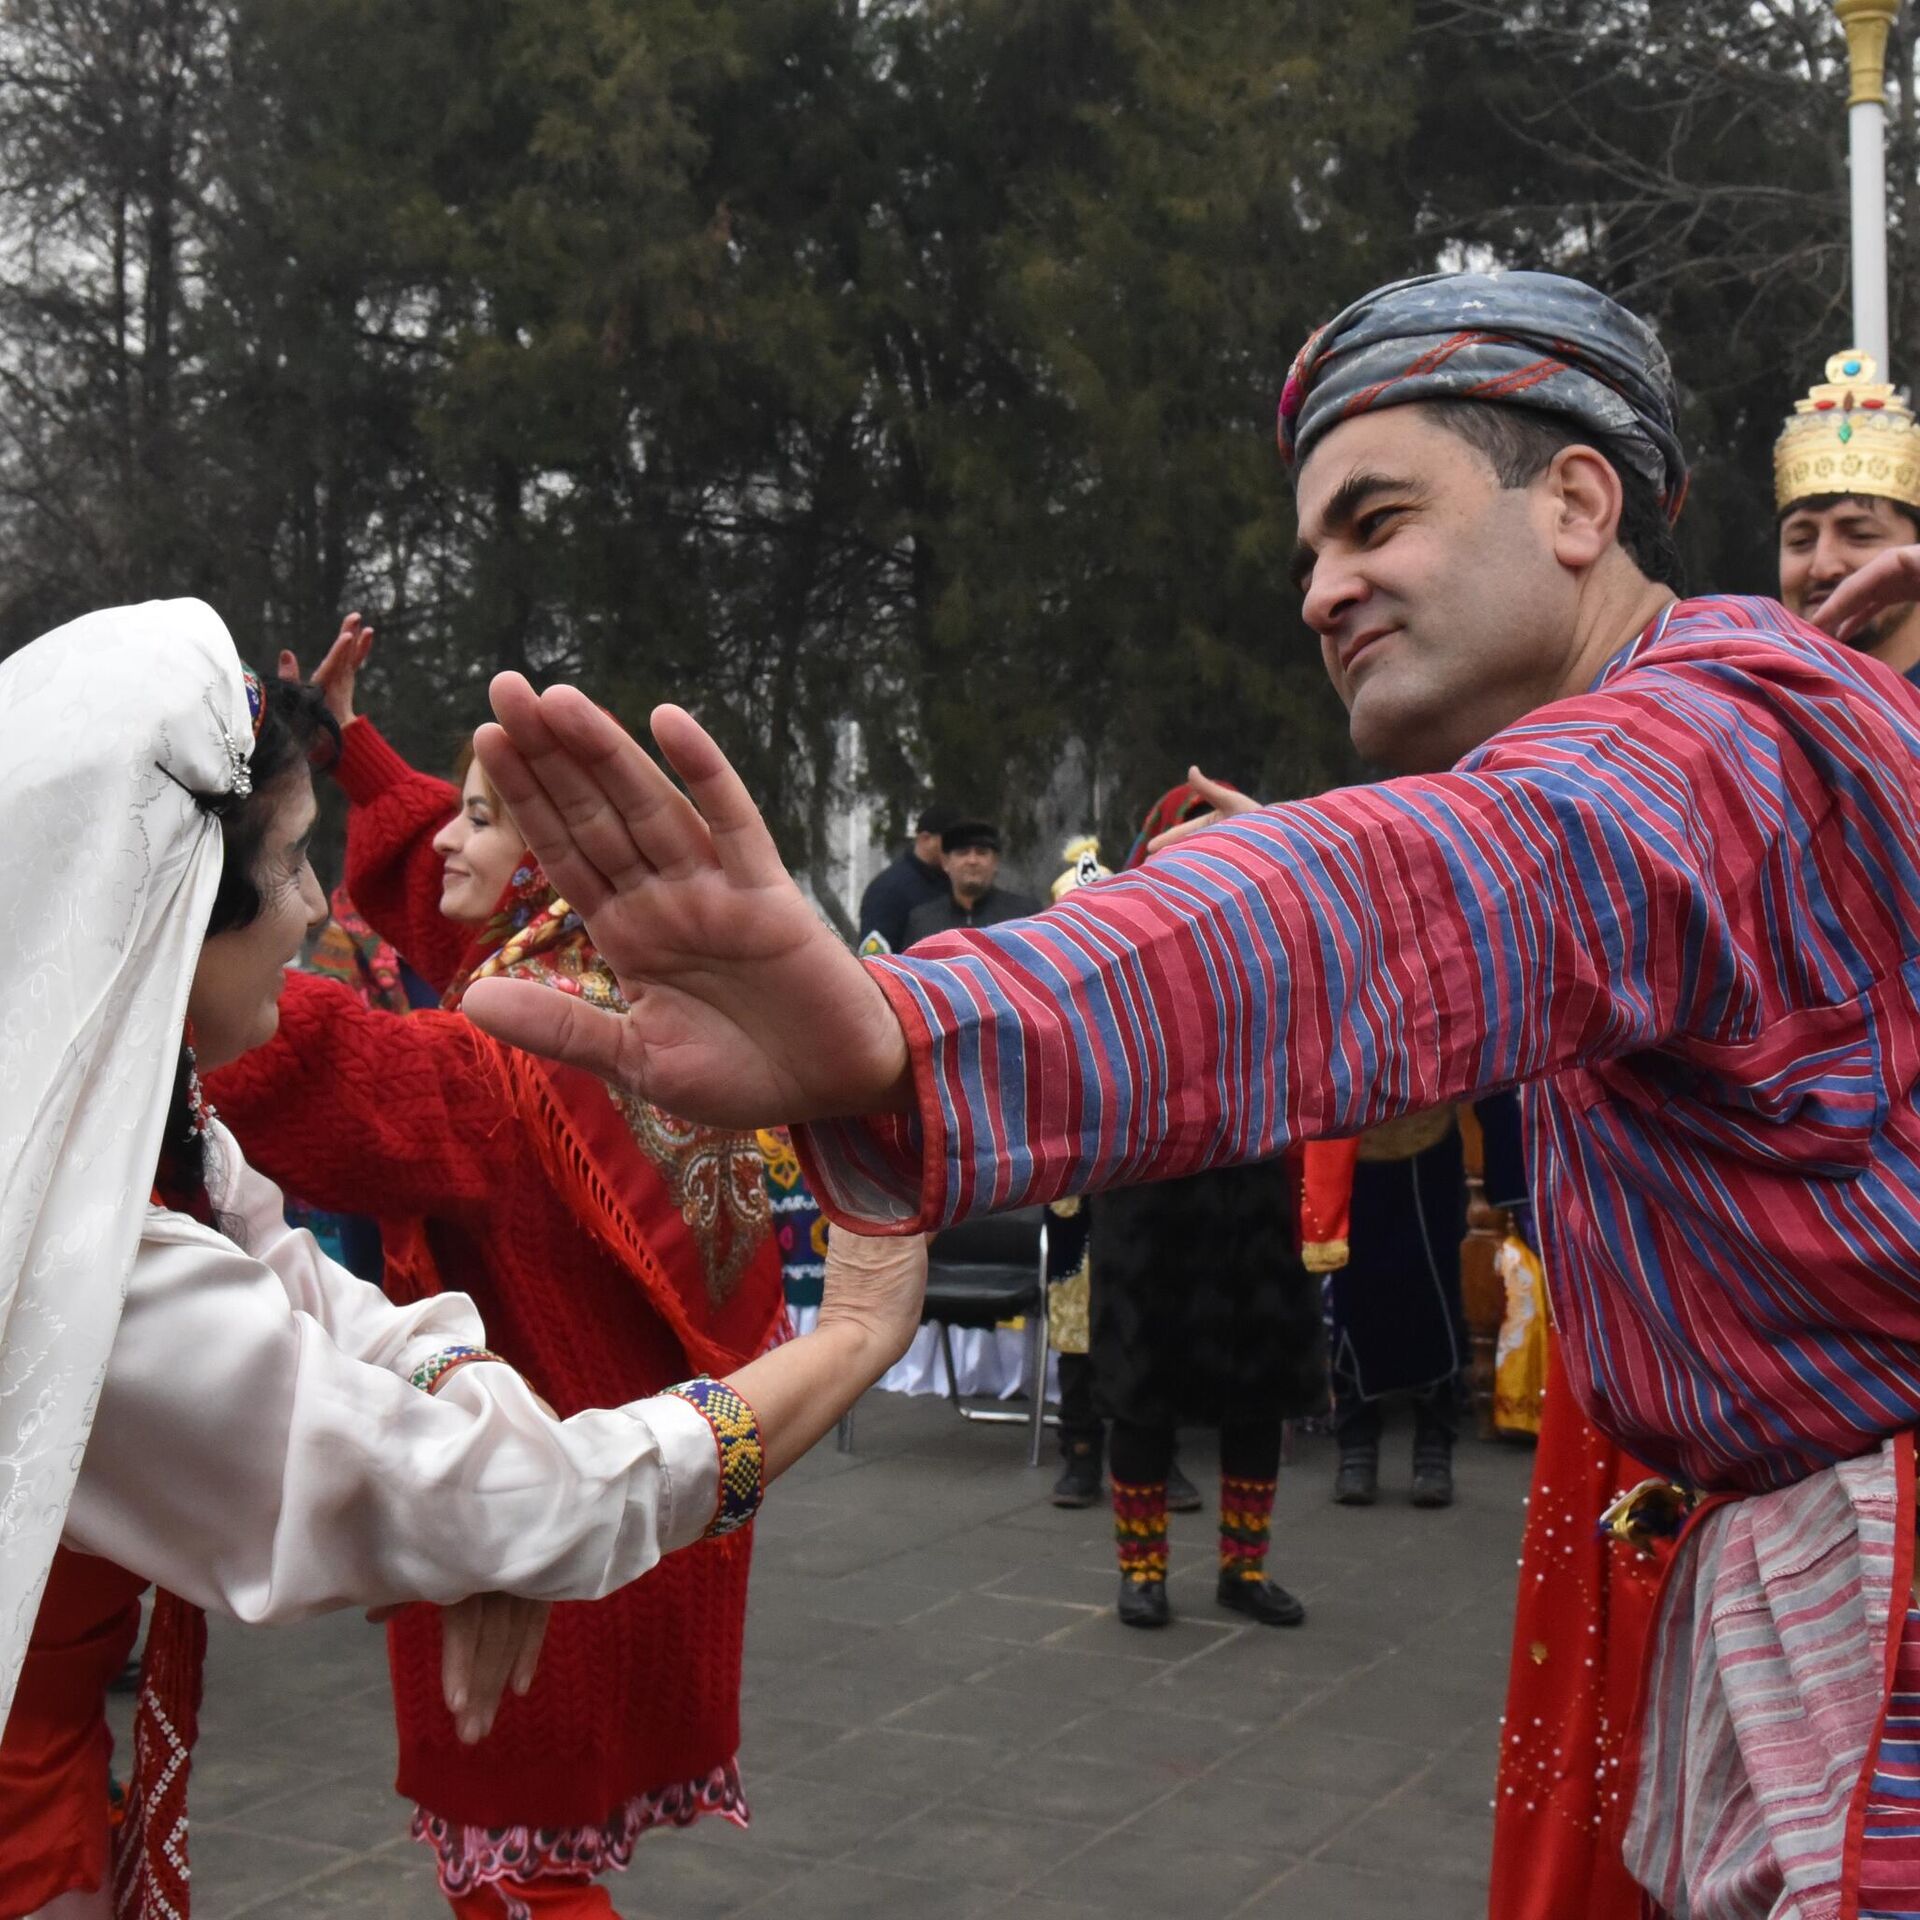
361 1321
245 1458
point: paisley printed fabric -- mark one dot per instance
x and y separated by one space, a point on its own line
473 1857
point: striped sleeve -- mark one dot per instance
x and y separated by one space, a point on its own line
1587 885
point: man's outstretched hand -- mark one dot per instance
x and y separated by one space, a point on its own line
745 1010
1889 579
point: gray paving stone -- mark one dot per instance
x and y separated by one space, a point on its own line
1317 1891
356 1814
844 1892
887 1760
1249 1816
943 1719
232 1871
1094 1792
973 1846
811 1819
1146 1878
362 1890
674 1873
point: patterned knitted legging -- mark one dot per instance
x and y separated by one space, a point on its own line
1249 1469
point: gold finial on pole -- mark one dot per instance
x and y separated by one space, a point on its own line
1867 23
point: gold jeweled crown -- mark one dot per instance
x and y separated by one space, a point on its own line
1853 433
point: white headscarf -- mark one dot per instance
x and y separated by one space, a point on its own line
108 727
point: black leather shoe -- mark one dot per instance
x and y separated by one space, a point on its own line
1079 1482
1143 1603
1357 1483
1433 1470
1263 1600
1182 1495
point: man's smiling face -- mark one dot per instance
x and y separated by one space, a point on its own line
1442 608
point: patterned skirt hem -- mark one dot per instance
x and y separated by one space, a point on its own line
473 1857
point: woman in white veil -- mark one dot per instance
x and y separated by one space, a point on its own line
188 1389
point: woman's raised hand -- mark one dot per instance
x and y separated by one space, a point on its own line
1889 579
336 674
745 1009
1227 803
878 1285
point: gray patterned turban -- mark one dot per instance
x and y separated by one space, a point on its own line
1521 339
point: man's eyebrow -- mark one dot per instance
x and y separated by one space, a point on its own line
1348 502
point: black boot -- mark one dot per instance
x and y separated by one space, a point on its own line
1357 1483
1432 1467
1262 1599
1079 1482
1143 1603
1182 1495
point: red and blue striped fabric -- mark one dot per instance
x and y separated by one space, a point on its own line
1890 1857
1683 908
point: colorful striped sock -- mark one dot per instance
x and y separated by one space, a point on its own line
1140 1529
1246 1526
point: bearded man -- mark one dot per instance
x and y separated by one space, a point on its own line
1655 860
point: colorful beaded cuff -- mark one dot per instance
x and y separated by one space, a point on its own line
430 1375
736 1432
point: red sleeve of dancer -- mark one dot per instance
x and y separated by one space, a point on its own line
1326 1202
393 873
360 1111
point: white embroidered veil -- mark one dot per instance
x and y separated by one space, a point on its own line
108 727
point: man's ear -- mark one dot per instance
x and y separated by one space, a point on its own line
1584 492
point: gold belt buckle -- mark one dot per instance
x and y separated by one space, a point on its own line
1650 1514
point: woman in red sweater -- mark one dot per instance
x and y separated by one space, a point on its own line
611 1249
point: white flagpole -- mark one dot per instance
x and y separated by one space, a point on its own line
1867 23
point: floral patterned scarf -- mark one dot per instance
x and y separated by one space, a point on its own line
682 1206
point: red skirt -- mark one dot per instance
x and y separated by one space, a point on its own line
54 1753
1579 1636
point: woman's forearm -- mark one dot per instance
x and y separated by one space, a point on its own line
799 1391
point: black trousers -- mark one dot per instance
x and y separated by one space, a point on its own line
1249 1450
1357 1422
1080 1422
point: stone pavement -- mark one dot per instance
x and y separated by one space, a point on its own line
944 1719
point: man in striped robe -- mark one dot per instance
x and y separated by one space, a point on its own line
1655 860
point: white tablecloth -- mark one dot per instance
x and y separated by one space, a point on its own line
992 1364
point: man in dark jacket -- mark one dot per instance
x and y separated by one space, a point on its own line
971 849
910 881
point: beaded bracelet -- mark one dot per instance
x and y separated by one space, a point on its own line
432 1374
743 1463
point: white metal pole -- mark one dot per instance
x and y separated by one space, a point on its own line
1867 159
1867 23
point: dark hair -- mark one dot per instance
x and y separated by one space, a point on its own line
1820 502
1520 443
296 730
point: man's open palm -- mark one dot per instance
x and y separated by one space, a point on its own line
745 1010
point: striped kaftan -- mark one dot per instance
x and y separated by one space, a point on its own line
1682 910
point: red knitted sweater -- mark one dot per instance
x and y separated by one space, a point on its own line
389 1115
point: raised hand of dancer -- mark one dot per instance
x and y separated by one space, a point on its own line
1226 802
1889 579
745 1008
337 674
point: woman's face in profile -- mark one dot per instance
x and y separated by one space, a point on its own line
481 847
234 1002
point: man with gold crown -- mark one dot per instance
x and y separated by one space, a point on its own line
1846 483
